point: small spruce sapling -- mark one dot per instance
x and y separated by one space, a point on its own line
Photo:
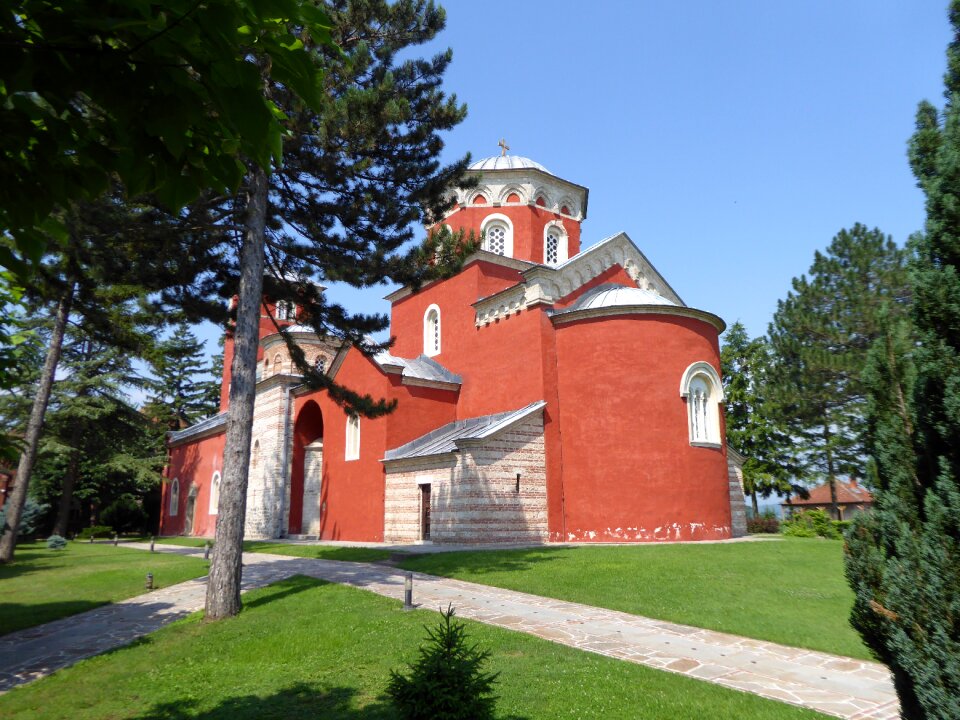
448 681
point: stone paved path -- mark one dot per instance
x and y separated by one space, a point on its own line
838 686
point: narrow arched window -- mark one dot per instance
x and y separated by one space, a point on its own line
215 493
320 364
554 244
701 388
277 363
174 496
352 444
286 310
496 240
431 331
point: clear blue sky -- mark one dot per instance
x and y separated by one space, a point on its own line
729 140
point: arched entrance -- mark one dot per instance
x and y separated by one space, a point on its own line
306 472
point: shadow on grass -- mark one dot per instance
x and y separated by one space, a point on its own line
319 552
297 701
481 562
17 616
284 588
301 701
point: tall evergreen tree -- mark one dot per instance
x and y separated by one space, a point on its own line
359 171
180 391
820 336
753 428
903 559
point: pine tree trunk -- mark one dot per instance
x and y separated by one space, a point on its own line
66 491
223 587
14 506
756 505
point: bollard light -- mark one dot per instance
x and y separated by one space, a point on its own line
116 539
206 550
149 584
91 537
408 591
152 539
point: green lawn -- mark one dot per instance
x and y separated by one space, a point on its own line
306 649
322 552
43 585
790 591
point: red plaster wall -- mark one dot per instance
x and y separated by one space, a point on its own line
352 491
628 470
194 464
528 222
419 410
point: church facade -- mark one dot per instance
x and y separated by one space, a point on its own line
544 394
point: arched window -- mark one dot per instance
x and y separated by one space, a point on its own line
320 364
701 387
215 493
277 363
352 444
431 331
174 496
498 235
286 310
554 244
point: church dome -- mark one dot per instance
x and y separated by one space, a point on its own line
507 162
608 295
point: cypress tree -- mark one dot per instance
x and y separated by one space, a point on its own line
820 335
903 559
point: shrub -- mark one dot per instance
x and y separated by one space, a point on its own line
97 531
55 542
842 525
30 518
811 523
447 682
125 514
766 523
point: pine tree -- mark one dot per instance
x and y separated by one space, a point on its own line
360 169
753 429
903 558
180 391
820 336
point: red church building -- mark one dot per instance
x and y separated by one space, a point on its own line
544 394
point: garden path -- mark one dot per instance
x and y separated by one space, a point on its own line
834 685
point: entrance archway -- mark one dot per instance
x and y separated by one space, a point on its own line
306 471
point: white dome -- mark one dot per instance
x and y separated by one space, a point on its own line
507 162
618 296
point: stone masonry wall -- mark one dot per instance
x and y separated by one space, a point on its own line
474 497
265 488
738 505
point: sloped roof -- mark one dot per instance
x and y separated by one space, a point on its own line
211 423
611 295
448 438
418 368
847 493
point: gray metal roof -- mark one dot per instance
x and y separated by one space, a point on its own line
210 423
446 439
610 295
419 368
507 162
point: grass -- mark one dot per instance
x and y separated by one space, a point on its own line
790 591
306 649
43 585
321 552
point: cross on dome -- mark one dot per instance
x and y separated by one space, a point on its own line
503 147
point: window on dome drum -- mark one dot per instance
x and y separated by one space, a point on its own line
431 331
320 364
215 493
703 392
552 253
174 496
352 444
285 310
496 238
277 362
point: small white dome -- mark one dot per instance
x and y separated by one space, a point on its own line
507 162
617 296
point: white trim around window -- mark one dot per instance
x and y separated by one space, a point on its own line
497 232
700 386
431 331
351 449
215 493
555 243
